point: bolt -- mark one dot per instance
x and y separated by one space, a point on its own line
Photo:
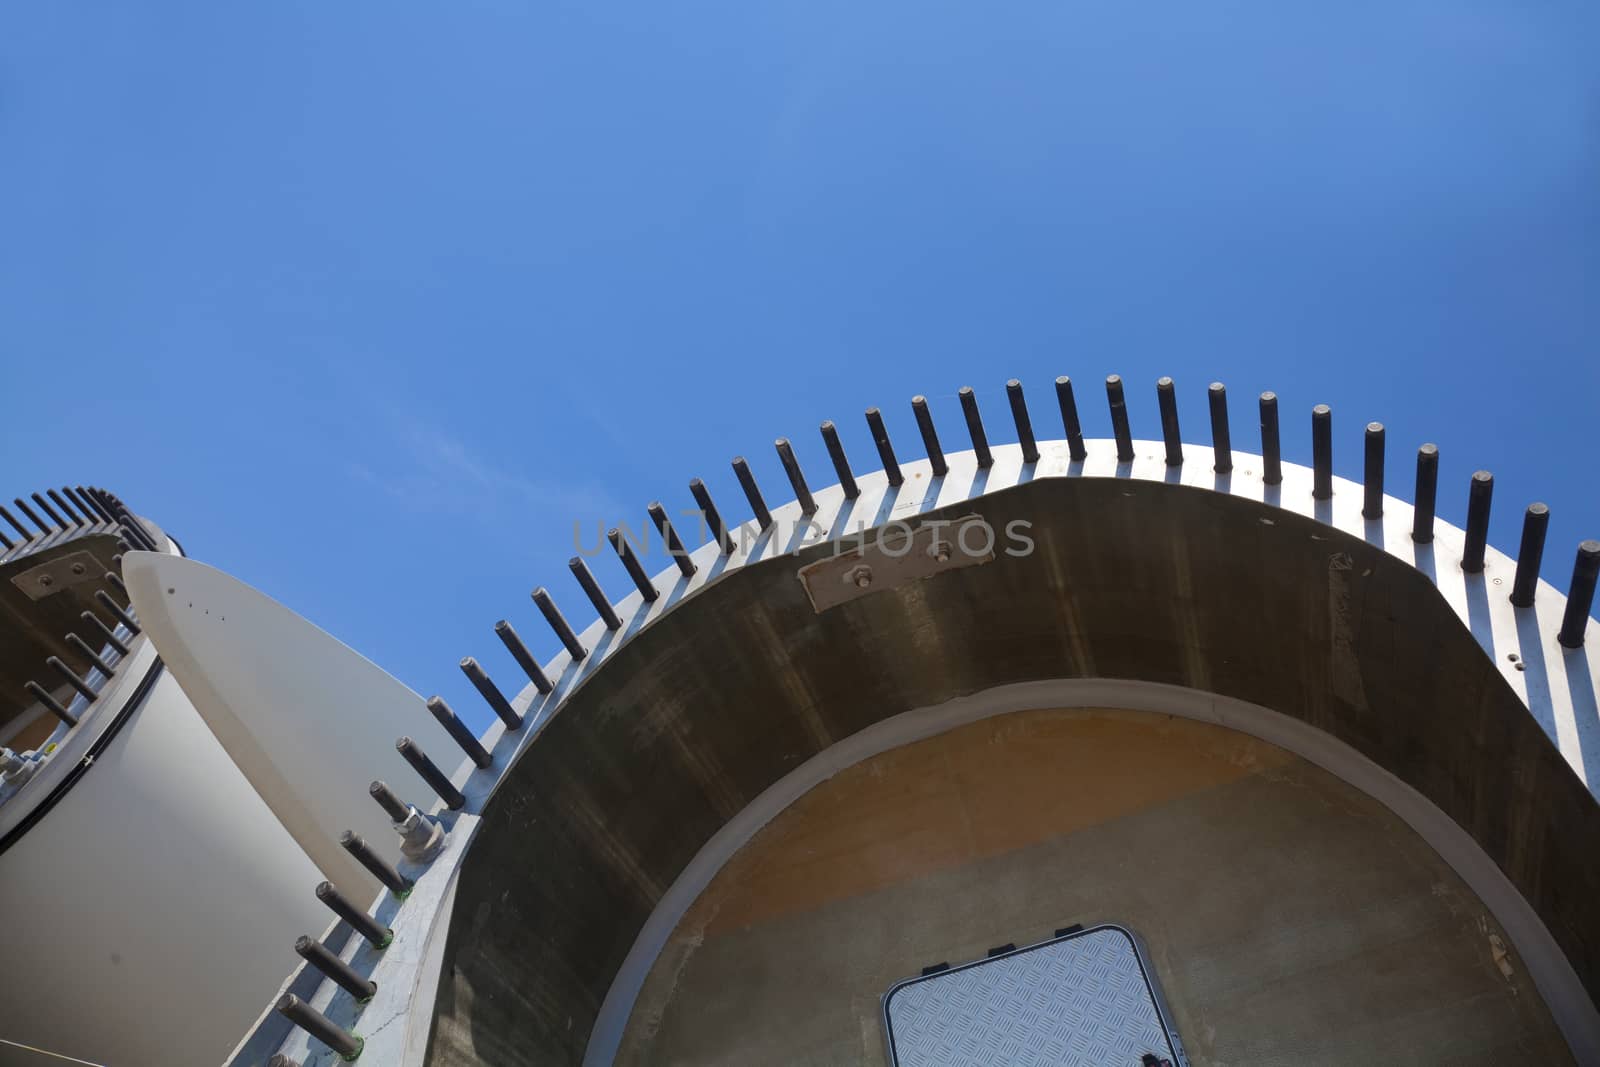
421 837
15 770
77 568
859 576
940 552
46 581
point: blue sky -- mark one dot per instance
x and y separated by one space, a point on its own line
369 302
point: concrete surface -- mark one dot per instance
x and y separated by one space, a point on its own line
1291 919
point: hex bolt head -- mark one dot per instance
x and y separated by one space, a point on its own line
860 576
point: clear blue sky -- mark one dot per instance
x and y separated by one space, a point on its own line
368 302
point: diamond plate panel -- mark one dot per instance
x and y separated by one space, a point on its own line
1080 1000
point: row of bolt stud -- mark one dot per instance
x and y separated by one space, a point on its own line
1579 599
75 509
80 509
1580 595
422 840
1536 521
422 837
107 638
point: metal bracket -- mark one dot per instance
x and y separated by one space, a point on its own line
895 554
63 572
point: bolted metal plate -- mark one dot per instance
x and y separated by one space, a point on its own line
898 553
1087 999
54 575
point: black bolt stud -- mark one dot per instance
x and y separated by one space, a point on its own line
100 510
105 504
490 692
1479 496
335 969
597 596
1019 415
104 632
113 578
880 438
54 706
372 931
397 809
6 542
459 732
558 622
31 516
980 440
98 501
524 658
116 610
1171 436
70 677
82 648
135 529
1221 440
132 531
376 865
131 535
1372 473
1580 595
714 523
752 493
429 771
930 436
110 503
797 478
66 509
669 536
77 497
27 534
1119 418
1427 494
1322 452
319 1026
630 563
1535 523
50 511
1271 443
841 465
1069 419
